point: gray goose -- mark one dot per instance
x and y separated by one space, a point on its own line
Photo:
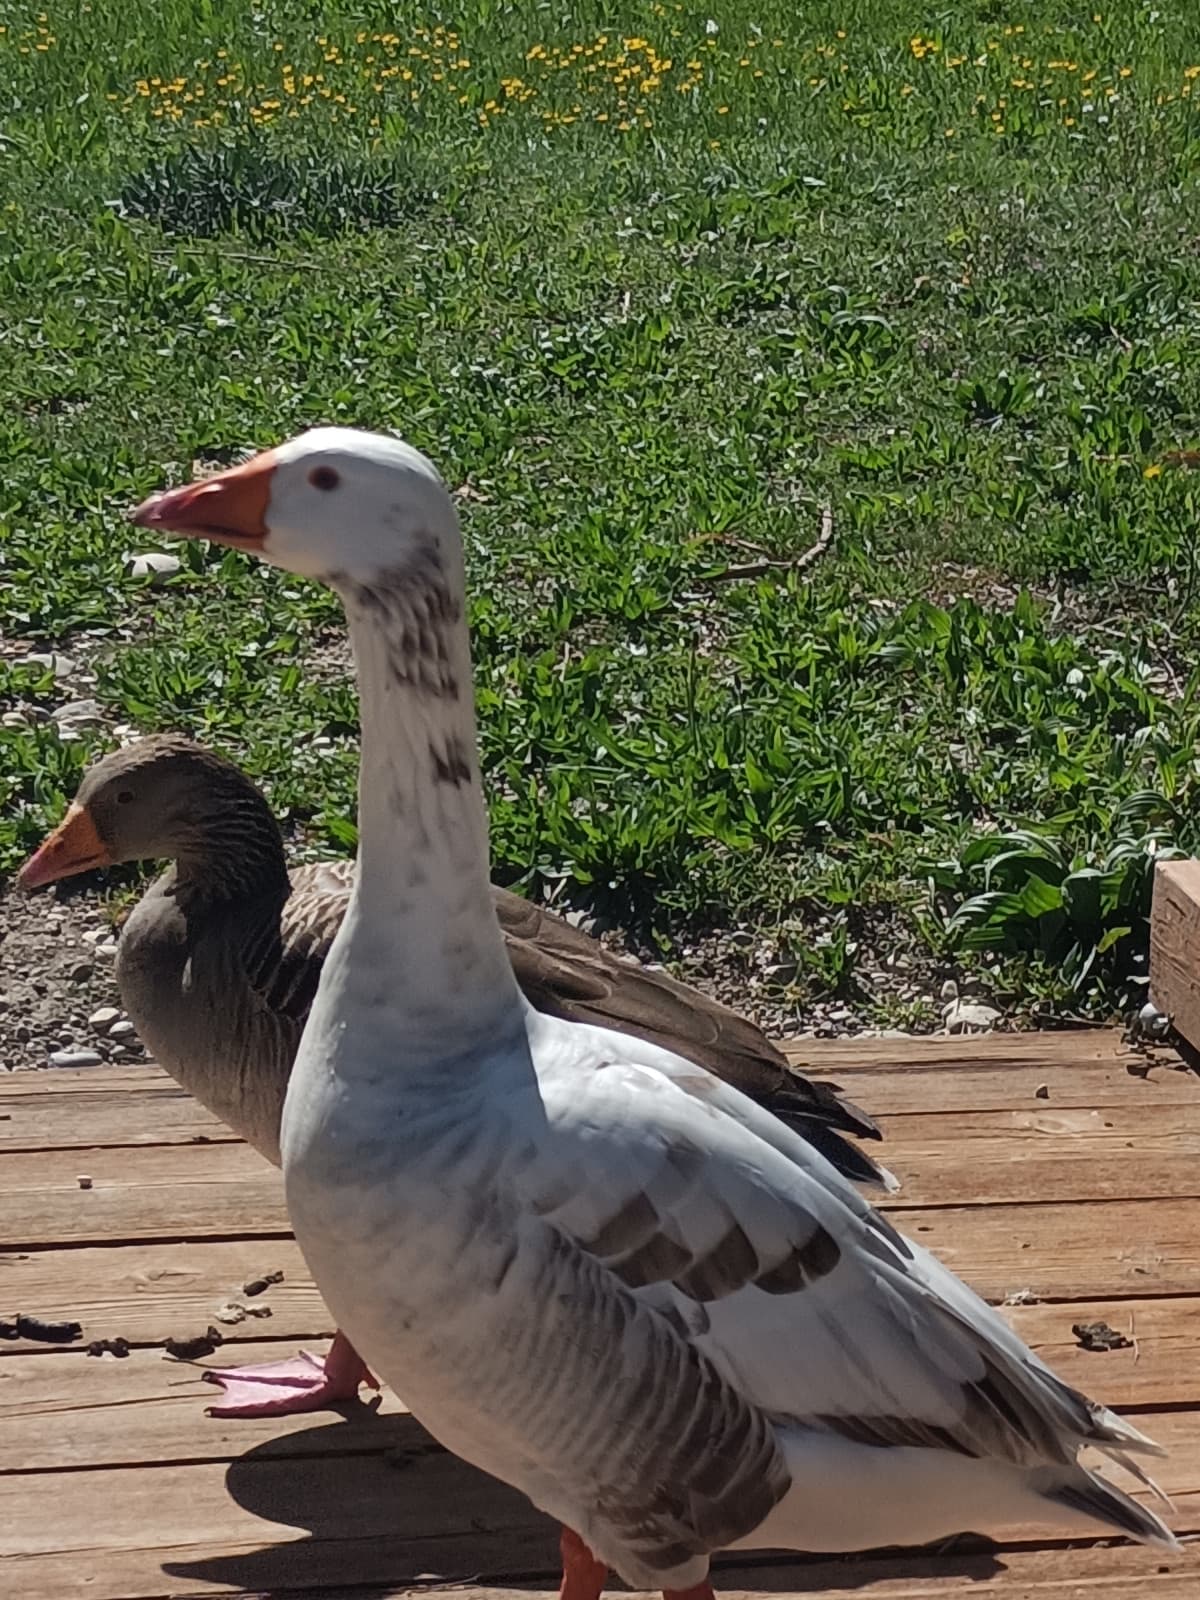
219 962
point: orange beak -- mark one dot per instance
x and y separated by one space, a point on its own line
228 509
73 847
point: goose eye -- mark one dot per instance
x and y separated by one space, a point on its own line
124 797
324 478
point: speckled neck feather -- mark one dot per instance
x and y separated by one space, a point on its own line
422 924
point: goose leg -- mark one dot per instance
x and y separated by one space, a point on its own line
284 1388
582 1575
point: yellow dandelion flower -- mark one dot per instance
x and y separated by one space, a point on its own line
722 111
1068 122
1192 72
1153 470
1124 72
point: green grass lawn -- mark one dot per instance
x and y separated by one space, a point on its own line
653 288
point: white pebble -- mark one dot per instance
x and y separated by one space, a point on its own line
79 713
62 666
965 1016
122 1029
104 1018
153 564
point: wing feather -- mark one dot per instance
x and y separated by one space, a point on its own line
777 1269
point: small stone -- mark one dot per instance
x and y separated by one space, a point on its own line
1042 1092
3 1004
14 719
1152 1021
103 1019
153 564
22 1033
107 947
84 1180
61 666
78 714
968 1016
76 1058
119 1053
82 972
122 1029
949 990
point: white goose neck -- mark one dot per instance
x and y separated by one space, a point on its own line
422 925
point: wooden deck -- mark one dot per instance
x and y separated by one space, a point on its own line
1041 1168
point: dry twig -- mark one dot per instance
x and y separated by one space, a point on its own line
760 569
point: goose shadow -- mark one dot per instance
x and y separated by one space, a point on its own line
380 1503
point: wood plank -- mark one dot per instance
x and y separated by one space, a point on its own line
1175 945
1054 1573
973 1075
369 1518
964 1052
942 1159
1042 1153
91 1107
151 1192
64 1409
1130 1250
156 1111
1112 1249
148 1293
47 1081
1161 1367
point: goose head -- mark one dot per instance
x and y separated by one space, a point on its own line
162 798
342 506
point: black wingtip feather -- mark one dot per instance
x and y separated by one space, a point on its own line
849 1160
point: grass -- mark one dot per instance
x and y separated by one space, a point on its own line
653 288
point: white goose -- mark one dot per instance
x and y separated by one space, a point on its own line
594 1270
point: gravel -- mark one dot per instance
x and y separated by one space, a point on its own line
56 950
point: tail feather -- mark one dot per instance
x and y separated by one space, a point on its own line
1110 1429
1088 1494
